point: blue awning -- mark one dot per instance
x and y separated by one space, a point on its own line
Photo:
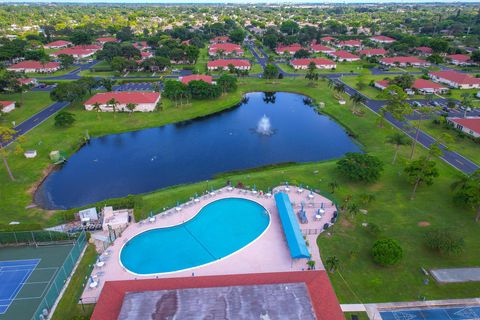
295 240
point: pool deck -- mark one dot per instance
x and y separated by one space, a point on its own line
268 253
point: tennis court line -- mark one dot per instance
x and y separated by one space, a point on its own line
1 262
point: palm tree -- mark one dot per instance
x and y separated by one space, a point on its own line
381 117
353 209
397 139
333 185
467 192
131 107
332 263
113 103
97 108
339 88
356 99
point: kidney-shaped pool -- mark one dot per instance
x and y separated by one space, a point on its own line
220 228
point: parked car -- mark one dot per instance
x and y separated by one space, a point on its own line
416 104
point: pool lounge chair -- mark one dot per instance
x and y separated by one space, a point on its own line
302 216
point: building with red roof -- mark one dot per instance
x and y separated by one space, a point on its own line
291 49
320 63
225 48
59 44
382 39
460 59
373 52
240 64
425 51
423 86
143 101
404 62
94 47
196 77
27 81
142 45
470 126
327 39
349 44
381 84
74 52
342 55
220 39
7 106
305 292
29 66
455 79
104 40
320 48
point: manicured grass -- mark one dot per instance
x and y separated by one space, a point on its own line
33 102
202 60
358 279
343 67
60 72
256 68
463 145
457 94
91 73
412 69
68 307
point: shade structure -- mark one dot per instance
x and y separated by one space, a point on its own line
296 242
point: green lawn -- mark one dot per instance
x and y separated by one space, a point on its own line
91 73
371 91
358 279
256 68
33 102
201 63
60 72
343 67
466 147
68 307
457 94
412 69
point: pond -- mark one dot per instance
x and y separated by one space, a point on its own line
239 138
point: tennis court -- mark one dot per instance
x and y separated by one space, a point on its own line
32 277
458 313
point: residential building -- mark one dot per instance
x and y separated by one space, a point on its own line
342 55
144 101
423 51
460 59
196 77
221 39
327 39
381 84
27 81
74 52
320 63
291 49
470 126
423 86
142 45
104 40
455 79
382 39
59 44
349 44
404 62
29 66
7 106
319 48
240 64
225 48
372 52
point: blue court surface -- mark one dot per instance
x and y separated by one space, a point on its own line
460 313
13 275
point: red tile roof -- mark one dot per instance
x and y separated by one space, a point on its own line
424 49
469 123
320 48
350 43
459 57
226 47
383 83
31 64
25 80
457 77
220 39
291 48
88 47
373 52
226 62
136 97
197 77
306 62
426 84
383 38
6 103
107 39
344 55
58 43
322 296
327 39
410 60
74 51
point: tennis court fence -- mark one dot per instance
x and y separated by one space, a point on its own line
38 237
56 285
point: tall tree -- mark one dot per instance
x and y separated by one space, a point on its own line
421 171
270 72
398 139
467 192
6 135
356 99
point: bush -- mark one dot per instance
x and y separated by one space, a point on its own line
360 167
444 241
386 252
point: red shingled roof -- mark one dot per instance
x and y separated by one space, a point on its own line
220 39
373 52
457 77
426 84
107 39
73 51
197 77
88 47
58 43
459 57
322 296
226 47
306 61
226 62
410 60
383 38
350 43
124 97
291 48
320 48
341 54
31 64
6 103
382 83
26 81
327 39
424 49
469 123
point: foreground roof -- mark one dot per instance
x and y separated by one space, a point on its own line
136 97
457 77
412 60
307 61
322 297
31 64
58 43
470 123
426 84
196 77
226 62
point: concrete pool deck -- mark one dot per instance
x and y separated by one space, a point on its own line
268 253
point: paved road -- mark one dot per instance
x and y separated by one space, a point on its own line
37 119
454 159
73 75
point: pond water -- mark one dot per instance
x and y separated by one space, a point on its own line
135 162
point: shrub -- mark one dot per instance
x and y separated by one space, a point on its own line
444 241
386 252
360 167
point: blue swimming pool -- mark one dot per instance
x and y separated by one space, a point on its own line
218 230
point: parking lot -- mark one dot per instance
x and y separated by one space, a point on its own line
136 86
441 104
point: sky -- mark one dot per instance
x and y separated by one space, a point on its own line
239 1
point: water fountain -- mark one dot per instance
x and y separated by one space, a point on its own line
264 126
